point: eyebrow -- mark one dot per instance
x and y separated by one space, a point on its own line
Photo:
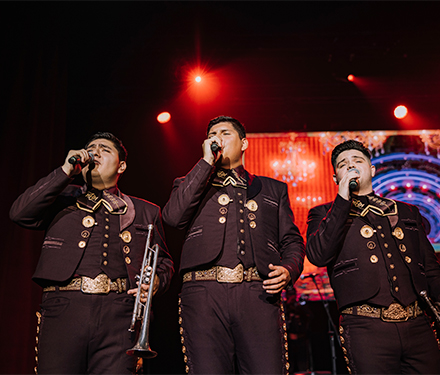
99 145
219 131
354 157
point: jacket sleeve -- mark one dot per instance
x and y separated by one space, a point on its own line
164 269
32 209
186 195
325 231
291 242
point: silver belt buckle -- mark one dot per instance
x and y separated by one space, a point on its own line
230 275
99 285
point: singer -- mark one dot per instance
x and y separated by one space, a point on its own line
93 249
242 249
378 259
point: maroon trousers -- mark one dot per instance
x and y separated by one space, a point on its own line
85 333
232 328
377 347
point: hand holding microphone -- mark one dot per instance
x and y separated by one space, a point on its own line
73 163
77 159
349 183
211 149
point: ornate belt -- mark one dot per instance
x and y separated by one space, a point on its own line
101 284
224 274
393 313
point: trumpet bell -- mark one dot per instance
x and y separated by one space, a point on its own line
141 352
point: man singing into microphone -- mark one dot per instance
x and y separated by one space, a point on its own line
379 260
93 248
241 249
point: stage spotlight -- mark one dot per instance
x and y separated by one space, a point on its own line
350 77
164 117
400 112
203 86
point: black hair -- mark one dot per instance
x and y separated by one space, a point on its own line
122 151
238 126
351 144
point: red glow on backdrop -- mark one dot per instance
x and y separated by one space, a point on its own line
350 77
400 112
264 155
164 117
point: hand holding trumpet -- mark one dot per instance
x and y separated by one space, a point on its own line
144 289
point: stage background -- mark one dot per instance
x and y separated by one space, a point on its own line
71 68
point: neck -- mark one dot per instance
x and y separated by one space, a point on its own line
230 166
100 185
362 193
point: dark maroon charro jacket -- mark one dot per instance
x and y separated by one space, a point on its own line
194 206
334 240
50 205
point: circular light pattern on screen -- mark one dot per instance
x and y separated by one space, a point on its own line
413 179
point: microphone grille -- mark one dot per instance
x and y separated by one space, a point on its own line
92 157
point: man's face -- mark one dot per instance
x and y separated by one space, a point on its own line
354 159
108 167
230 142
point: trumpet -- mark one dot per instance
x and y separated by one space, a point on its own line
433 309
142 311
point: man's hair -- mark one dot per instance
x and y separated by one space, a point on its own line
122 151
351 144
238 126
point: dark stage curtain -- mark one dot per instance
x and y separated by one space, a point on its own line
33 119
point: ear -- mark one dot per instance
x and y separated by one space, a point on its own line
122 167
244 144
373 170
335 180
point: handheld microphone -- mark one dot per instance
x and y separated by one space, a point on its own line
312 275
77 160
215 148
353 184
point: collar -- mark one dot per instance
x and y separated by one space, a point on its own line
361 205
237 177
93 198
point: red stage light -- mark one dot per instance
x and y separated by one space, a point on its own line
400 112
350 77
202 85
164 117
